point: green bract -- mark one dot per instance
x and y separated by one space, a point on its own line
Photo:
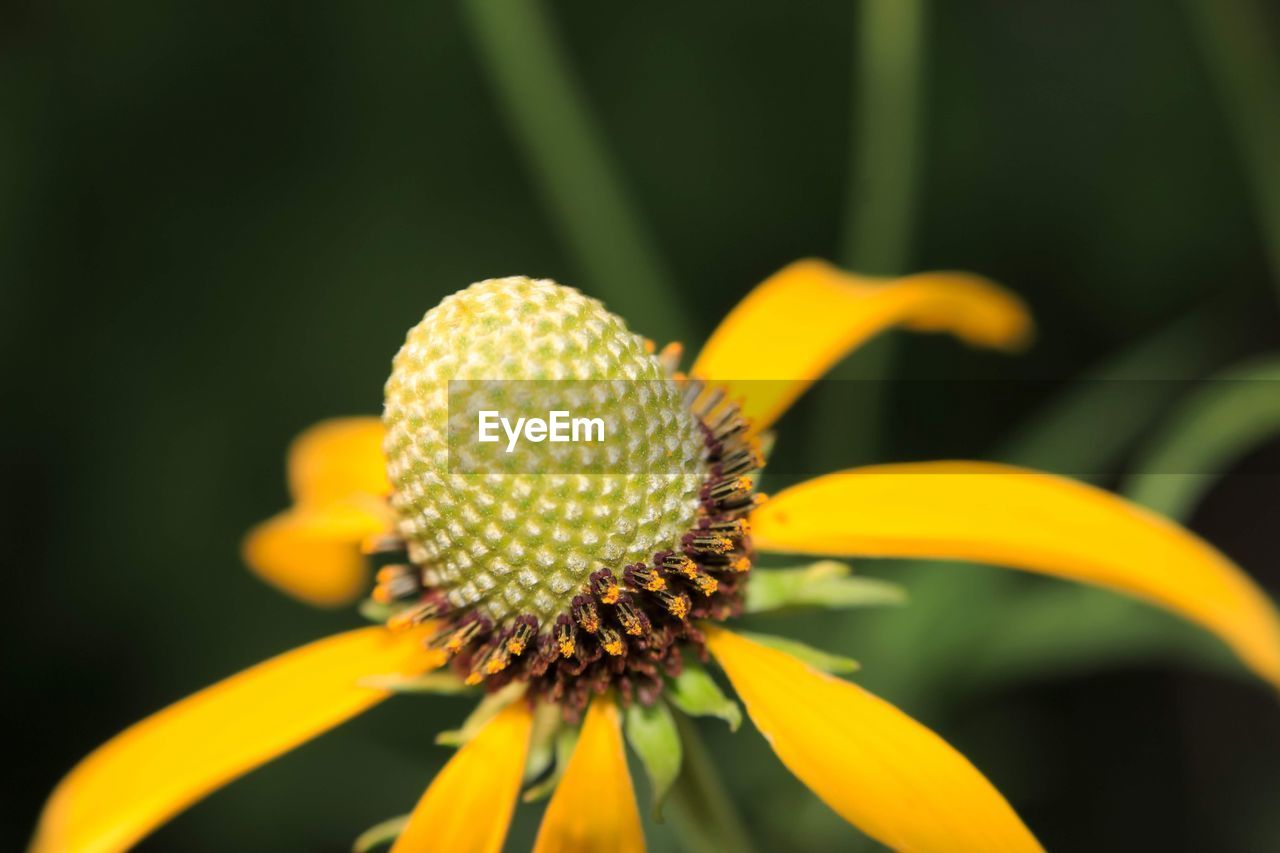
652 733
826 583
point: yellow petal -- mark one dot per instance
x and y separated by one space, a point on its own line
1023 519
594 806
873 765
792 328
158 767
313 551
337 458
468 806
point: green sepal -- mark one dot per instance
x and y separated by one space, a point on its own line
441 682
651 731
816 658
826 583
566 739
542 741
380 833
696 693
375 612
485 711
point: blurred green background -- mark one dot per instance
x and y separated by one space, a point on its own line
219 219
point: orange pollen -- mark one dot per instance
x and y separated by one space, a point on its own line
706 584
611 642
630 622
677 605
685 566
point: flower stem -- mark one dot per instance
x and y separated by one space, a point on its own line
886 133
1245 66
888 75
701 811
567 157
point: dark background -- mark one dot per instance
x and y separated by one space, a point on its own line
217 220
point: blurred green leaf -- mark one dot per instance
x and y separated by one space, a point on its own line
695 692
379 834
651 731
816 658
826 583
1221 422
1066 627
1009 624
1152 370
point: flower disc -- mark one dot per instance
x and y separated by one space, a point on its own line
519 541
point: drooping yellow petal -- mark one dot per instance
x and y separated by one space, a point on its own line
337 477
337 458
468 806
873 765
1027 520
158 767
792 328
594 806
313 551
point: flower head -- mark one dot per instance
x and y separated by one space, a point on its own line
585 594
572 579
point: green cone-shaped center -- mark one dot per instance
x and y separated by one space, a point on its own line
512 541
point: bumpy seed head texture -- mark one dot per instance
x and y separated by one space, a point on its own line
517 541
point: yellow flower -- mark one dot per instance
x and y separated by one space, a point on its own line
540 626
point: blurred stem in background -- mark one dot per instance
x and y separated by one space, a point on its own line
570 163
888 71
1234 37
